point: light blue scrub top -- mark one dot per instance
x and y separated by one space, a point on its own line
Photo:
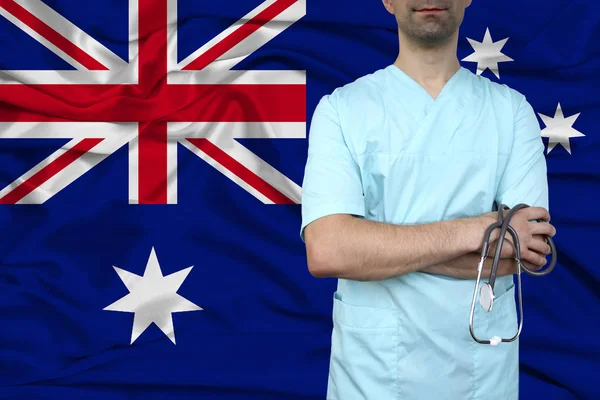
383 149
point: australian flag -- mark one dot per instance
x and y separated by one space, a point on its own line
151 160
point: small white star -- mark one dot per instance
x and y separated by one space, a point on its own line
152 298
487 54
559 129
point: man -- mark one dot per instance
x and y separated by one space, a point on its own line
404 166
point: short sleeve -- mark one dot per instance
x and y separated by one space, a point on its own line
525 178
332 181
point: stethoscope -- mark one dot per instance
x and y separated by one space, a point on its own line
486 292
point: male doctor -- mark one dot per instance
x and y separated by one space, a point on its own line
404 166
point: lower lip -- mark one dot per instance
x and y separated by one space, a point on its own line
430 11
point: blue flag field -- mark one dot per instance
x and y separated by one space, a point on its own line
151 161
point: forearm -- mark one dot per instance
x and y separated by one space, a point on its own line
465 266
359 249
456 267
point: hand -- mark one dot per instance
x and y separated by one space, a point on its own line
532 235
508 248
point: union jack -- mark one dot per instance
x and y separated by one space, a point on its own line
152 103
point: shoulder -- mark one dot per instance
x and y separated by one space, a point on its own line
501 94
514 111
358 97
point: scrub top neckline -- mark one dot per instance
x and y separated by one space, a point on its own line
448 87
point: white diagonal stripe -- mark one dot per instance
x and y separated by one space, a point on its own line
73 33
123 73
115 136
63 178
226 172
223 134
260 168
222 66
42 40
217 39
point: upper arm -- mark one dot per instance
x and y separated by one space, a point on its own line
525 177
332 181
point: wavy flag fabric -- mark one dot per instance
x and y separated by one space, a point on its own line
151 161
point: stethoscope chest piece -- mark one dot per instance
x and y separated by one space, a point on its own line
486 297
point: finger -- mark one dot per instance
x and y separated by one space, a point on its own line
539 246
530 266
507 247
534 258
533 213
543 228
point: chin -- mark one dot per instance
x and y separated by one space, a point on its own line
432 39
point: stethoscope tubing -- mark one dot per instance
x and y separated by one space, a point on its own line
504 224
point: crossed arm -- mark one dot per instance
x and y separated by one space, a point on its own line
342 246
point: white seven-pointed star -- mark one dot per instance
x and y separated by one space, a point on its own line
152 298
487 54
559 129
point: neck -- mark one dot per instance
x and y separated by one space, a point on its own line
430 67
